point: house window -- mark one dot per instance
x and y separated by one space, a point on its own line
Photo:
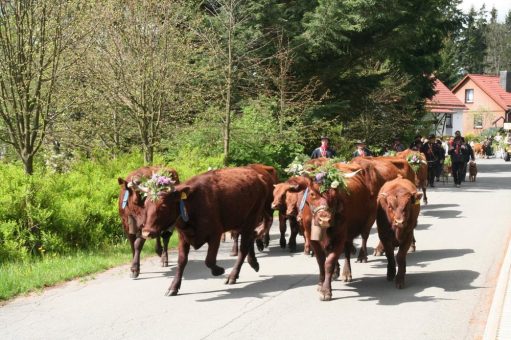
448 120
469 95
478 121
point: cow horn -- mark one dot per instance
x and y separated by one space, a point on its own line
138 187
352 174
384 194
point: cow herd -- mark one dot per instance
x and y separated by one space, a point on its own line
329 203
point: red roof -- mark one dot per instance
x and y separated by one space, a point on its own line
491 86
443 100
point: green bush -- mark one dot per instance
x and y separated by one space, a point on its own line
58 213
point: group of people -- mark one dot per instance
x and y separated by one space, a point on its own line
434 149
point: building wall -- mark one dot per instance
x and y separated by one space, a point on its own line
457 122
482 105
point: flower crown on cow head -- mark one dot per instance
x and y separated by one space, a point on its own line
329 177
155 185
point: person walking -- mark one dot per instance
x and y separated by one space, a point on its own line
433 155
397 146
361 150
324 150
441 160
457 151
416 145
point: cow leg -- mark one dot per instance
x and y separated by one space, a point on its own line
135 264
401 263
244 249
391 261
424 197
378 251
293 225
157 246
251 258
320 258
182 260
346 270
282 228
306 224
413 247
213 245
325 293
165 254
267 239
235 237
132 238
362 253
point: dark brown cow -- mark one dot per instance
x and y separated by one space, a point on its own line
398 210
271 178
207 205
131 208
339 215
421 180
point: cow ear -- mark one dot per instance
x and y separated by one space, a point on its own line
416 198
122 182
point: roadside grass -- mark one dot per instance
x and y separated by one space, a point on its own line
18 278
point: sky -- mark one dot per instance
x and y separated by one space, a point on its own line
502 6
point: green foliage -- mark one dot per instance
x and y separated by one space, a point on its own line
55 213
256 137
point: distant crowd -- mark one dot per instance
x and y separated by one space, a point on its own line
458 152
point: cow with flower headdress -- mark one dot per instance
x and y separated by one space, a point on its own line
417 161
340 199
205 206
131 210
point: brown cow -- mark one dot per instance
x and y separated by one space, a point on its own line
271 178
388 169
478 150
421 180
131 208
289 203
207 205
338 215
398 210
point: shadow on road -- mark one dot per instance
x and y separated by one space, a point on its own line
438 206
377 288
442 213
422 257
260 289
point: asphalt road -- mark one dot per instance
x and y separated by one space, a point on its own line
461 239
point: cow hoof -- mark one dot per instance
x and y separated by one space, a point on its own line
134 274
165 264
260 245
234 253
325 295
255 266
283 243
230 281
171 292
391 276
400 285
362 260
347 278
377 253
292 247
216 271
412 249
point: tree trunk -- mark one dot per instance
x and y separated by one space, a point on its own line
28 164
148 154
227 124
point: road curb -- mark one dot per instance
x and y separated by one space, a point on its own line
499 299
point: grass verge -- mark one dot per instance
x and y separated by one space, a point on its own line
24 277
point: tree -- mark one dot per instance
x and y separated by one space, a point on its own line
34 35
139 66
472 42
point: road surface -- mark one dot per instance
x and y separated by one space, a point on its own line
461 239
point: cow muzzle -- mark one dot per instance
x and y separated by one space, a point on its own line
146 234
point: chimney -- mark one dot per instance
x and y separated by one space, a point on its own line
505 80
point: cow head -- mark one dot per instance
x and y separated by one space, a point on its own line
131 202
398 206
323 205
280 194
163 212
